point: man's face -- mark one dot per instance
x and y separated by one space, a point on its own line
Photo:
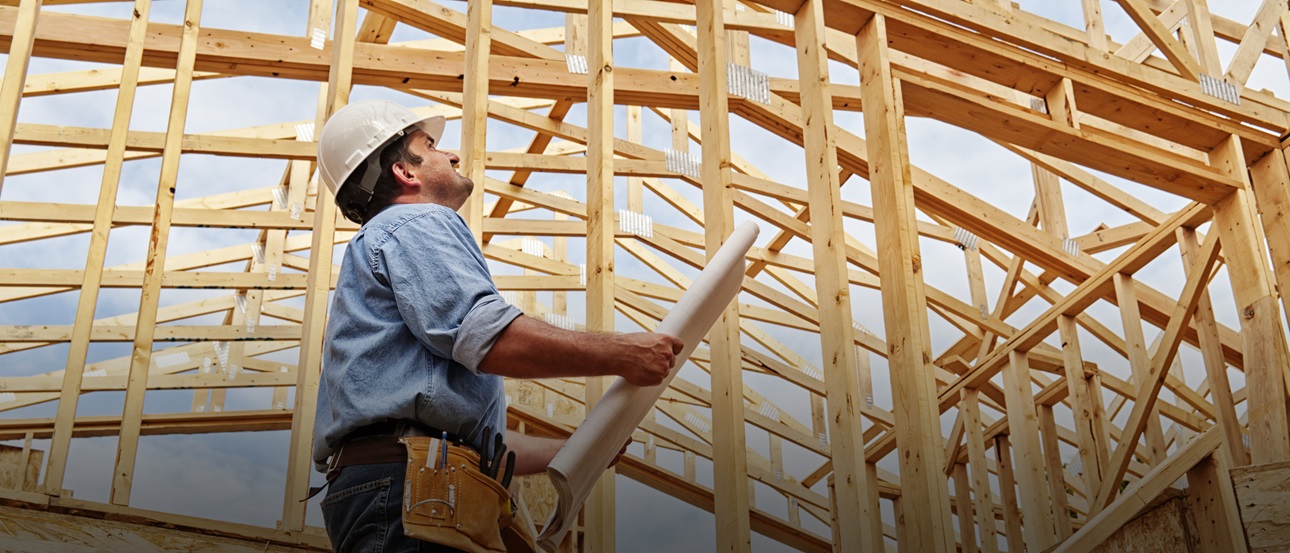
440 181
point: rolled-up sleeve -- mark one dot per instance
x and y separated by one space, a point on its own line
442 286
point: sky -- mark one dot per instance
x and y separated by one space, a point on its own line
240 477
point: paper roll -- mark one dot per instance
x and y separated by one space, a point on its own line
582 460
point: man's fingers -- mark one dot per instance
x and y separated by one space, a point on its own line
677 346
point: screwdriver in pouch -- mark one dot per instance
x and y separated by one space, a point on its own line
510 470
499 449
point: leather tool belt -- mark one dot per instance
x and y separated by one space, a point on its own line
449 500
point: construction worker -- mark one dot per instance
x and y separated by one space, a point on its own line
419 338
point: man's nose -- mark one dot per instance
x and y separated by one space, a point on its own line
453 158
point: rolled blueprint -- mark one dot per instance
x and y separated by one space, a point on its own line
578 465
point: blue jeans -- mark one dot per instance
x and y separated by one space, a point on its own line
363 512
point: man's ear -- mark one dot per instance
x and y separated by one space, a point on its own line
404 176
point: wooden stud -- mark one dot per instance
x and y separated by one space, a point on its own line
845 431
904 303
635 197
1270 178
1095 27
1008 488
128 444
331 97
1202 28
1036 502
963 506
474 111
15 77
599 512
1254 41
983 501
1054 470
1214 507
1086 407
733 497
1262 334
87 301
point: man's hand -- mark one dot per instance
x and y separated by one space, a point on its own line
620 454
644 358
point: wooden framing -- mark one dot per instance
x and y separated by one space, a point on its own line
1021 373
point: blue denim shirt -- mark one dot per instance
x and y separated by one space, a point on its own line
414 313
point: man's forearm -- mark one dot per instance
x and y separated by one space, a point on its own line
529 348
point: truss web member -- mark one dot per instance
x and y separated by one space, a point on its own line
418 341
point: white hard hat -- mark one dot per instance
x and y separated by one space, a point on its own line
360 131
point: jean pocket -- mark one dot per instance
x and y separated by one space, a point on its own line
356 518
332 498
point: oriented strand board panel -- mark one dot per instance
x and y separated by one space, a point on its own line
1168 528
1263 493
33 530
12 472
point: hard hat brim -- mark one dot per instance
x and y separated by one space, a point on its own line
433 127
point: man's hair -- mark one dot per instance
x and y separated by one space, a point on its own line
350 197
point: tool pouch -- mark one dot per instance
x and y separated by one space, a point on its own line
455 505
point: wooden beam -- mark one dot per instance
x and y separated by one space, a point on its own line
904 302
1086 408
599 512
127 445
15 76
1262 334
474 120
730 480
1252 44
1036 502
87 301
1173 50
981 494
331 97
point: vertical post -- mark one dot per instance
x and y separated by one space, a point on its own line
1094 24
1213 504
331 97
141 356
15 77
832 285
1056 475
1271 179
599 512
84 323
730 481
474 109
1048 194
983 500
1085 401
1262 336
918 432
1008 488
1036 502
1202 28
963 505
